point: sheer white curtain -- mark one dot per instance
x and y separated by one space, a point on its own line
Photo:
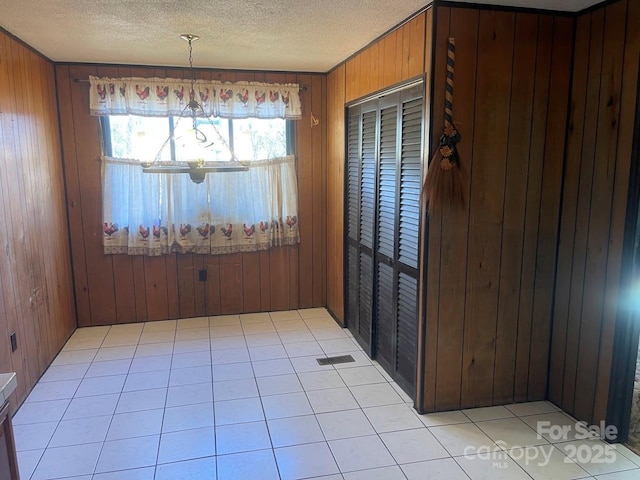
155 214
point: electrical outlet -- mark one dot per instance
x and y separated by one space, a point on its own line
14 341
202 275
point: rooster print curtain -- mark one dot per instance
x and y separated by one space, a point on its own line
157 97
227 213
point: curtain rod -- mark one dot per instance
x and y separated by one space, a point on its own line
84 80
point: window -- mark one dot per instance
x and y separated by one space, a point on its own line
142 138
161 213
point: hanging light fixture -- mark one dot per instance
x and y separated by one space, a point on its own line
194 143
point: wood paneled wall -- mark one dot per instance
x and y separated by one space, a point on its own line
392 59
600 136
491 267
36 291
120 288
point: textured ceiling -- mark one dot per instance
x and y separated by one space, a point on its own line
291 35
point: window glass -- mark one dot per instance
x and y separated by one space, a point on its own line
144 137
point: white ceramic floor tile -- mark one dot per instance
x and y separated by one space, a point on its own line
309 364
337 346
186 445
365 453
115 353
128 453
109 367
136 424
93 406
27 462
303 349
242 437
150 364
321 380
442 469
197 322
285 315
37 412
462 439
142 400
329 333
33 436
57 373
443 418
238 411
391 418
627 475
267 368
146 380
188 417
145 473
192 334
50 391
290 326
191 359
546 462
160 326
189 394
267 352
154 349
82 343
487 413
258 327
92 332
331 400
165 336
294 431
120 340
220 320
75 356
511 432
376 395
80 431
320 322
361 376
625 451
260 464
409 446
262 339
233 355
198 469
305 461
67 461
189 346
260 317
221 331
299 336
313 312
554 427
101 385
186 376
345 424
232 371
279 384
596 457
494 466
532 408
360 359
234 389
286 405
384 473
228 343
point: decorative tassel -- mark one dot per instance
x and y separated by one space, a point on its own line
446 179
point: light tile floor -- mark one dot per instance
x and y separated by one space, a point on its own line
243 398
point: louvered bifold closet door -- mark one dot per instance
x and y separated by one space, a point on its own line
384 171
385 318
409 184
361 213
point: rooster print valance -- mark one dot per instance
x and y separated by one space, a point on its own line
162 97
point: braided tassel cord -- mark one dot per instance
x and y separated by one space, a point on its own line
446 179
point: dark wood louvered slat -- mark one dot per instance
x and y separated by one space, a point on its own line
407 327
368 178
353 178
365 291
385 334
387 173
